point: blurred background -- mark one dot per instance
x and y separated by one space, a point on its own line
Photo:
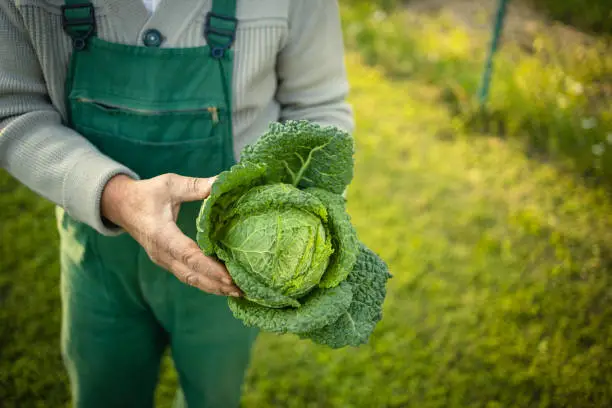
493 211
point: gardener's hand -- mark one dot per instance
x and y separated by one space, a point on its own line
148 209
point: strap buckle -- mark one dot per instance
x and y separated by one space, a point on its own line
77 26
218 48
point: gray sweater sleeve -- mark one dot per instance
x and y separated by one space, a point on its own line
35 148
313 84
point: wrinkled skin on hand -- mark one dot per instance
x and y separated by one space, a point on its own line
148 210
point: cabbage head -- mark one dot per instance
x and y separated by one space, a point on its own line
278 221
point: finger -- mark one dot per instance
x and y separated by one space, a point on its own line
187 252
190 188
189 277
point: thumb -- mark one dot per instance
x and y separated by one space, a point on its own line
191 188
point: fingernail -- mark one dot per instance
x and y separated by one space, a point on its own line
235 294
211 180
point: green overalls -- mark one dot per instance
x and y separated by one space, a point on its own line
156 110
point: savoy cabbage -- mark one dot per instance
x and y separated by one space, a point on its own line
278 221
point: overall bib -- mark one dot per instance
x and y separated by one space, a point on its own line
156 110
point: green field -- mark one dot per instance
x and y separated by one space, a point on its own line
501 296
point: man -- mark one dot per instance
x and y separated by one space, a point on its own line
122 116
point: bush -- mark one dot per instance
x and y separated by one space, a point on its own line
589 15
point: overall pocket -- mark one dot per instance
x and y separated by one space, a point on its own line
151 142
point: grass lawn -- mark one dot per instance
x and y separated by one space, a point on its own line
501 297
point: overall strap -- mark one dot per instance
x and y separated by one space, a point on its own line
220 27
79 21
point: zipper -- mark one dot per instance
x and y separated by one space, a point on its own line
212 110
214 114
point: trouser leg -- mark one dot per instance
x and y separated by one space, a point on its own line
211 350
112 350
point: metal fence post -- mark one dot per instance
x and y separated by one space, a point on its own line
483 93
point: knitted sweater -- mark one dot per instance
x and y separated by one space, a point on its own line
288 65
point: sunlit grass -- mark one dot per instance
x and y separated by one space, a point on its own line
555 96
